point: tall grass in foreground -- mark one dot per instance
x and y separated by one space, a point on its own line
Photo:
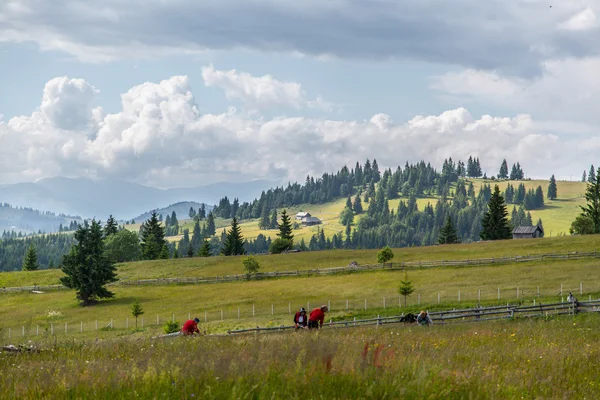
556 358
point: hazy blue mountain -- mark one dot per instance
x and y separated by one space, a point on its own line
28 220
124 200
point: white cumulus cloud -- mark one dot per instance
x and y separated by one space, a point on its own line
160 138
259 92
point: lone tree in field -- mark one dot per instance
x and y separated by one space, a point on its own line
153 238
591 211
503 173
552 191
406 288
205 250
448 233
234 241
86 267
31 260
384 255
251 266
111 227
495 224
136 311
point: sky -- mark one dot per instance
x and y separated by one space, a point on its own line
184 93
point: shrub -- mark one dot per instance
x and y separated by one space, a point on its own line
172 327
280 245
385 255
251 265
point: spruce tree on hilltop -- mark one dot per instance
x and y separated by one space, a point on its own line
503 173
111 227
273 224
357 205
265 221
86 267
202 212
514 174
285 228
584 176
552 191
448 233
205 250
495 224
539 197
592 208
31 260
210 224
153 238
234 241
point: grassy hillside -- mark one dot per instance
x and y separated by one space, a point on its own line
217 266
556 215
30 310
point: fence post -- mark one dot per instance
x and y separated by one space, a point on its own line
329 305
479 296
561 287
111 323
384 302
37 330
346 304
238 313
419 298
365 304
498 293
517 292
189 316
289 308
438 298
81 327
253 310
459 296
581 288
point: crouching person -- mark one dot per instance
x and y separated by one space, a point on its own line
190 327
316 318
423 319
301 319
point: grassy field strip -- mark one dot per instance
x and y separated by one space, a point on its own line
220 266
326 271
272 300
541 359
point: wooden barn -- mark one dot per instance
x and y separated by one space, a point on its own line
302 215
528 232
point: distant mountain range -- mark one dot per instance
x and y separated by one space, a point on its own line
124 200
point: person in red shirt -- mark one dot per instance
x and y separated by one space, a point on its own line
316 318
300 319
191 327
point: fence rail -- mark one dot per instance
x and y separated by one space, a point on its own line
326 271
464 315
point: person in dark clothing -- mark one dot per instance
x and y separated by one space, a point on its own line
191 327
300 319
316 318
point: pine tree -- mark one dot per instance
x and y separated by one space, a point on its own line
285 228
265 222
514 218
478 170
503 173
111 227
406 288
205 250
584 177
153 238
190 251
349 202
592 208
192 213
539 197
552 191
591 175
210 224
375 174
31 260
514 174
273 221
495 224
357 205
234 242
470 169
528 219
202 212
86 267
520 174
136 311
448 234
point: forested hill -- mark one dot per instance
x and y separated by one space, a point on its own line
182 209
27 220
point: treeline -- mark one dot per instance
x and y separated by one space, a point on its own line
50 249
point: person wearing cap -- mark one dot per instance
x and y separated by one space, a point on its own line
423 319
316 318
191 327
300 319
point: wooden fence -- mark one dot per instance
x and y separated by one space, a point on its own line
327 271
465 315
